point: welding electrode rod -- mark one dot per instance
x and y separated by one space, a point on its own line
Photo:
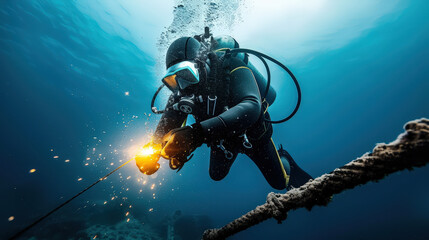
65 203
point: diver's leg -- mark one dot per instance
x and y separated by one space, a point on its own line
219 163
264 154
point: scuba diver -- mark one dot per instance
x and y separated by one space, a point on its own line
212 79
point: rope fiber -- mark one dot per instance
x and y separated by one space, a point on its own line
409 150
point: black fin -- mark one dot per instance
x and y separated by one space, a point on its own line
298 176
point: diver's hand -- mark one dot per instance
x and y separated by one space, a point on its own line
146 168
181 142
147 160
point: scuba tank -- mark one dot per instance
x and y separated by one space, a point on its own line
227 42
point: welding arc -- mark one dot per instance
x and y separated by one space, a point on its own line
66 202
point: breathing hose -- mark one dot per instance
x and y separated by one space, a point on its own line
152 103
261 56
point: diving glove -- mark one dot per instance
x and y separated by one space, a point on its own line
147 159
179 143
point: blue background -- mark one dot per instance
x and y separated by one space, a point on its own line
62 93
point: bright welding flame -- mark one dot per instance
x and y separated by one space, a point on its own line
145 151
147 158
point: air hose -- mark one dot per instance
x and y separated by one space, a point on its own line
262 56
152 103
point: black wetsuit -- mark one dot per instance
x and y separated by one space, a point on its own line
238 110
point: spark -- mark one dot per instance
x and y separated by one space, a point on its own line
113 198
67 160
88 158
126 214
152 187
150 209
128 177
131 206
105 202
86 164
146 151
11 218
111 164
32 170
94 237
128 220
79 179
127 93
56 156
144 182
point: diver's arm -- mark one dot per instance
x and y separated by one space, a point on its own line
170 119
246 101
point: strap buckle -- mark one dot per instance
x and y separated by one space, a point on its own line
228 154
246 142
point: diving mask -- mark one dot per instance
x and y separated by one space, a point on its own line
181 75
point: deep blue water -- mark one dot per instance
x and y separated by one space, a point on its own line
63 97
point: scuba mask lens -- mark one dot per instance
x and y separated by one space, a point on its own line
181 75
185 78
171 82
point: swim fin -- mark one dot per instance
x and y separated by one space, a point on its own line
298 176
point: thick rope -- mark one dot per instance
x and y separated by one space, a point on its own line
410 149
